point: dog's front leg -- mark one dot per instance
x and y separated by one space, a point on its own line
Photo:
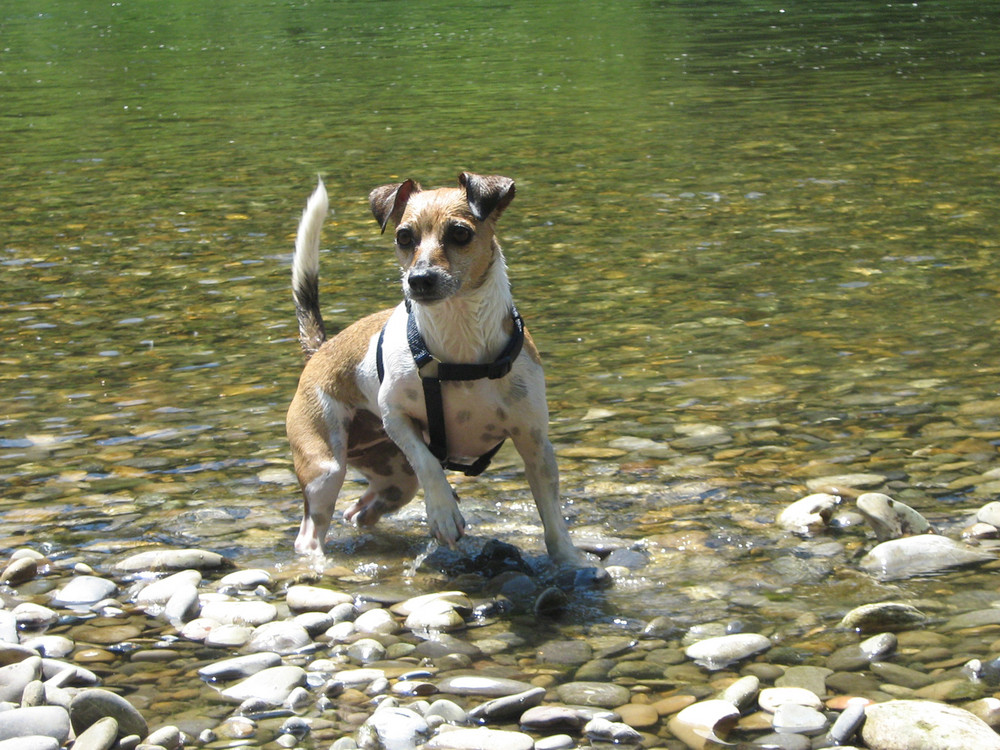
542 472
443 517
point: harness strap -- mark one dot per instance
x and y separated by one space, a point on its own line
433 399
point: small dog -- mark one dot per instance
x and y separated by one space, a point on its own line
436 383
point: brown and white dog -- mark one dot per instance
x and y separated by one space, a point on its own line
458 305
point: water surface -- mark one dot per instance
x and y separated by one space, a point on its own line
755 243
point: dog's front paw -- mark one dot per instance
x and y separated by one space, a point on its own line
446 522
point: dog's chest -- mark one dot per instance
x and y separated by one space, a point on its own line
477 415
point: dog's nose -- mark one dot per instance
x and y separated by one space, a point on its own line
421 281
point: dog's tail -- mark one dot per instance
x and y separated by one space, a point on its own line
305 272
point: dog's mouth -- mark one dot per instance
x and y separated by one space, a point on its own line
428 288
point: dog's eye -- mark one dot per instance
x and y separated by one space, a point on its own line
459 234
404 237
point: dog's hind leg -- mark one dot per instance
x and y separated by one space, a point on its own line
320 497
391 485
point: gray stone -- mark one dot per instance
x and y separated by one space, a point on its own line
836 484
553 718
14 678
890 518
920 555
8 627
245 580
810 514
600 729
19 571
376 622
797 719
32 742
487 687
101 735
812 679
85 590
480 739
159 592
770 699
721 651
888 616
743 692
228 636
366 650
302 598
271 685
508 706
555 742
574 651
182 605
605 695
900 675
252 613
53 646
775 741
910 724
281 637
46 721
240 667
91 705
393 728
170 559
167 736
448 711
975 619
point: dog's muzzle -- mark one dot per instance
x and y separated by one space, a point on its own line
428 284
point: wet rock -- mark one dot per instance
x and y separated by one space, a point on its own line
551 602
302 598
605 695
84 590
488 687
45 721
271 685
91 705
508 706
32 742
159 592
182 605
555 742
975 619
251 613
891 519
572 652
987 709
638 715
797 719
101 735
920 555
480 739
14 678
280 637
245 580
721 651
908 724
553 719
847 723
377 622
845 484
31 616
809 678
228 636
239 667
446 710
704 722
858 655
170 559
743 692
808 515
434 615
600 729
393 728
19 571
168 736
990 514
770 699
888 616
366 650
953 690
783 741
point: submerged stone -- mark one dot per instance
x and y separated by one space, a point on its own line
920 555
909 724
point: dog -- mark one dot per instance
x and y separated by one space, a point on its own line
434 384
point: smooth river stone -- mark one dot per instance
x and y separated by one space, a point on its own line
794 718
100 735
488 687
239 666
15 677
376 622
508 706
302 598
170 559
602 694
890 518
704 724
770 699
272 685
887 616
280 637
808 515
920 555
47 721
159 592
480 738
910 724
89 706
251 613
32 742
393 728
721 651
85 590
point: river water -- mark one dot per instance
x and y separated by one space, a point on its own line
755 243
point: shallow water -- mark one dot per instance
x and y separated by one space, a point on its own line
755 244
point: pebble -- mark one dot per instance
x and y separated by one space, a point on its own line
159 592
90 706
100 735
770 699
303 598
888 616
252 613
603 694
393 728
721 651
798 719
271 685
47 721
920 555
19 571
910 724
84 590
507 706
281 637
704 722
14 678
170 559
810 514
891 519
376 621
480 738
491 687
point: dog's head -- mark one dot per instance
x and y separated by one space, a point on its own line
444 238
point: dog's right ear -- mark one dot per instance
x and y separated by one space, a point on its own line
389 201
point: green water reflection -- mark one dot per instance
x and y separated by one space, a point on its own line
775 220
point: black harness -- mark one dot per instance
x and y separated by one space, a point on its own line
434 403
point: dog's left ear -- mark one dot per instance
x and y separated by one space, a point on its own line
389 201
486 194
